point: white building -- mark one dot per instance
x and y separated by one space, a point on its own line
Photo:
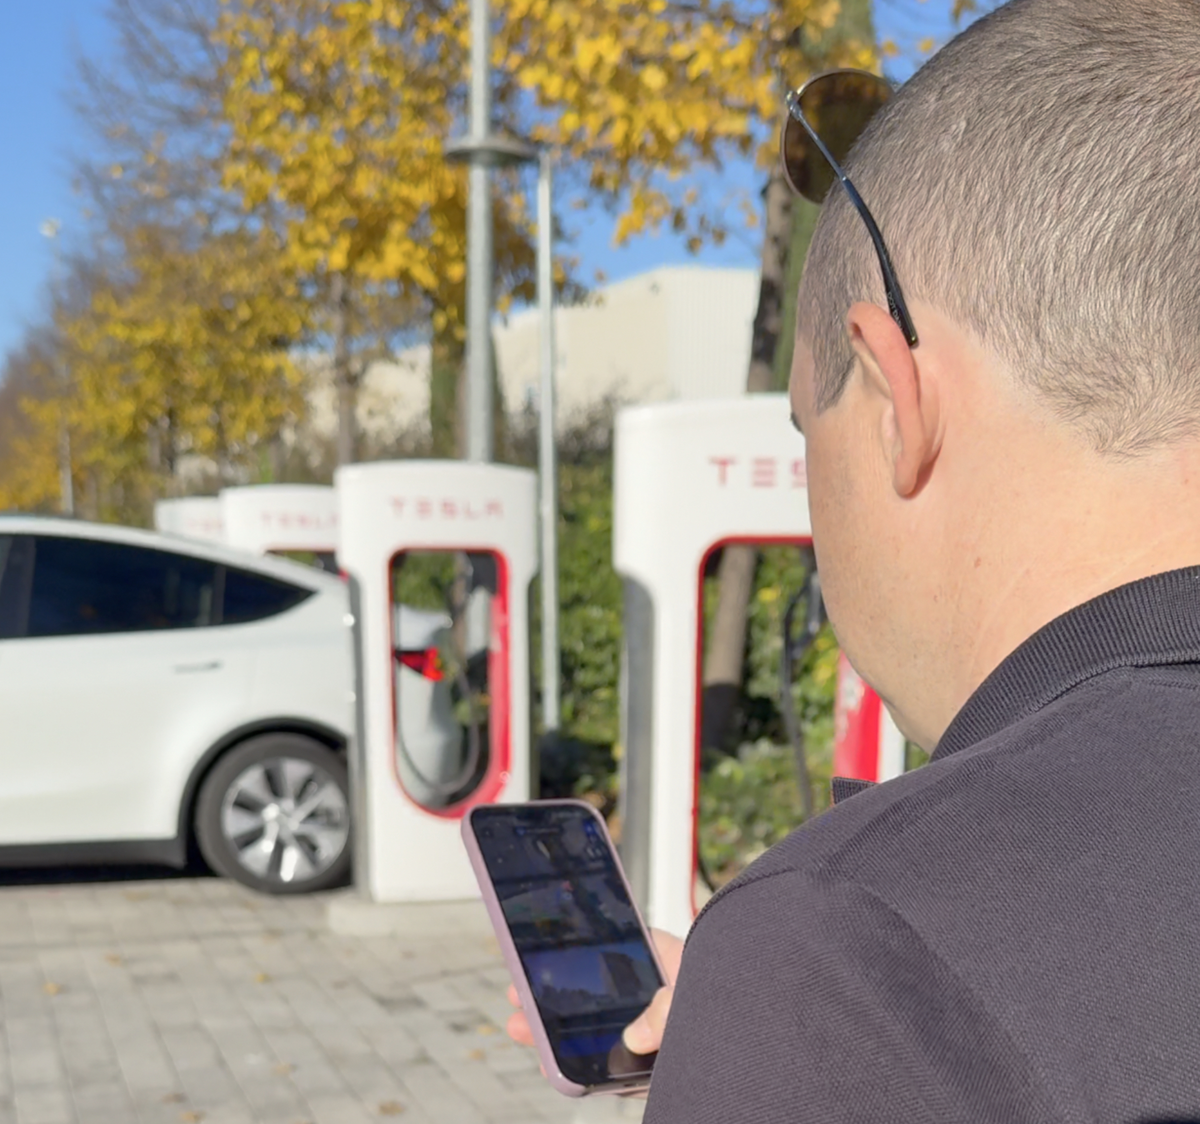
393 396
674 332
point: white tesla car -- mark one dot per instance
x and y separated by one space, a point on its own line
157 693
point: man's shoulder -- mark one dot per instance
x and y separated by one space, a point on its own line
1098 740
1007 926
823 1001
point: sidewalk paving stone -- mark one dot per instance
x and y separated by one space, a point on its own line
193 1001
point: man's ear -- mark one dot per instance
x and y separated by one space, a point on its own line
910 419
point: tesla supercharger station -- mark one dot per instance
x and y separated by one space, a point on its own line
191 517
690 477
866 742
281 518
440 556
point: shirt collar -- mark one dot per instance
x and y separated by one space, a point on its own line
1148 623
842 788
1151 622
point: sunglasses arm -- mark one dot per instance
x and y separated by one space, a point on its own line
895 299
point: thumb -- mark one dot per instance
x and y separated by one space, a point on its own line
645 1034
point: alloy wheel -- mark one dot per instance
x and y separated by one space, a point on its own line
285 819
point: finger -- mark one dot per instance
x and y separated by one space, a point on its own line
513 998
670 951
645 1034
518 1029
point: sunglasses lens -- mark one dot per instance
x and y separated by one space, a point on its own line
838 107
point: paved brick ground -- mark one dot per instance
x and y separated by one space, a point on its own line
180 1001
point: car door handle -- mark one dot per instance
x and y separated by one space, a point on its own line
210 665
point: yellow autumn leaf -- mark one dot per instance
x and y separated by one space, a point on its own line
654 78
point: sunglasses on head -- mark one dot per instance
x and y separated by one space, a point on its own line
824 119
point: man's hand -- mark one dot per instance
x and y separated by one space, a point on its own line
644 1035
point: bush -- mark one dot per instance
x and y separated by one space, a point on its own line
748 802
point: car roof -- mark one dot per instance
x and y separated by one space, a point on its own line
283 568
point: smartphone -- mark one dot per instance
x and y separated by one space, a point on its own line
580 955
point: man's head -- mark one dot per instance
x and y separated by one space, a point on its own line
1038 187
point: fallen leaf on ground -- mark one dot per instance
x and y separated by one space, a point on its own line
51 988
112 958
487 1028
262 977
476 1055
284 1068
191 1117
172 1098
391 1108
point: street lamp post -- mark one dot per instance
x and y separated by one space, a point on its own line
483 150
481 153
488 152
547 458
480 428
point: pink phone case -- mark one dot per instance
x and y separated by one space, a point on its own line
508 950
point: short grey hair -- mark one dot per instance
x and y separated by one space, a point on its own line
1038 181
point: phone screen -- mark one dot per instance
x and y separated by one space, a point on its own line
576 932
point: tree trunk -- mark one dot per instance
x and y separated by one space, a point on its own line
735 575
500 449
448 402
445 391
804 221
786 235
345 378
854 27
91 497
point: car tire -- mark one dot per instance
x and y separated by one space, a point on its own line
274 814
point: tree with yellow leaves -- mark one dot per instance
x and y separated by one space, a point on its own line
180 349
30 416
338 111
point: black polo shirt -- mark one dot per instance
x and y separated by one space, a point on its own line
1009 934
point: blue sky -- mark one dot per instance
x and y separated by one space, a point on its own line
39 42
38 45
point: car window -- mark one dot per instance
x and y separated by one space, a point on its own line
6 629
86 586
254 597
16 568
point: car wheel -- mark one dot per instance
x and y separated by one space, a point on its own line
274 814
